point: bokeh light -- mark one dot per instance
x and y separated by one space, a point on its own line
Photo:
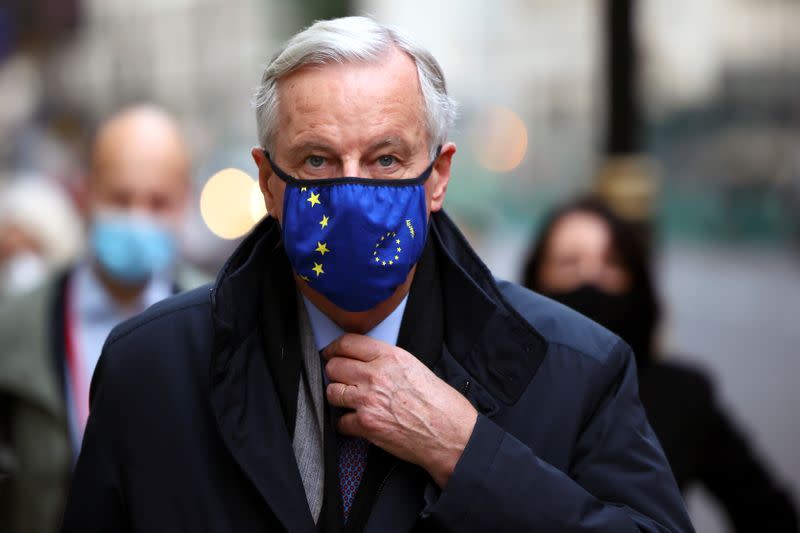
257 208
499 139
228 203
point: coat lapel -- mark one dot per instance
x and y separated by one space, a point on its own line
251 424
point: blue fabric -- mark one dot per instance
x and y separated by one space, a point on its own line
131 249
326 330
354 240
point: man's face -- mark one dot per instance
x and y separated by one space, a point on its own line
357 120
140 168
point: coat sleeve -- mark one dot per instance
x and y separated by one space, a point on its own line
736 477
95 501
619 480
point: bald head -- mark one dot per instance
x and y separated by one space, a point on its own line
139 163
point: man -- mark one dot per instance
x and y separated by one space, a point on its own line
137 190
444 400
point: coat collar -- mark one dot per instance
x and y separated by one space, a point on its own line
483 332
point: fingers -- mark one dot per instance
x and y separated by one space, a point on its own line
346 370
355 346
343 395
348 425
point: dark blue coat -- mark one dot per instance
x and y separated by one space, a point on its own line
186 433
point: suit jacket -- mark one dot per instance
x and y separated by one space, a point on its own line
704 446
34 434
186 431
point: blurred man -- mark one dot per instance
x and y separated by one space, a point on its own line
445 400
137 190
32 245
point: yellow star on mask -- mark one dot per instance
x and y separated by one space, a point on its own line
322 248
303 189
391 262
397 241
324 222
314 199
318 269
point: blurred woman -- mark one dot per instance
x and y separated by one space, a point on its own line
592 261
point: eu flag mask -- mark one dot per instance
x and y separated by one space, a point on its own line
354 239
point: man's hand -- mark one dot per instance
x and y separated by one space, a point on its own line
398 404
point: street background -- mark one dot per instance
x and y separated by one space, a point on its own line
710 130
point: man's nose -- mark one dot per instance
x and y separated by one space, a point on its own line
351 167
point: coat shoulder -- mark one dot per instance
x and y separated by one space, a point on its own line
180 310
169 343
560 325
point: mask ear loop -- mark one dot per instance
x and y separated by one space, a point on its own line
278 170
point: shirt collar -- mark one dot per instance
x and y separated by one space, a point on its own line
326 330
93 301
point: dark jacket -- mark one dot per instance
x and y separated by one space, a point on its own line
704 446
34 434
186 432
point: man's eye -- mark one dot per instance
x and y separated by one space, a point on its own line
386 160
315 161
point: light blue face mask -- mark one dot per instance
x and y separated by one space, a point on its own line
131 249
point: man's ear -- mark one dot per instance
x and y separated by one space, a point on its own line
441 176
264 175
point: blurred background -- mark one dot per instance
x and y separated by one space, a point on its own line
685 114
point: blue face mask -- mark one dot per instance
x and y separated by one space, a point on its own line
131 249
354 240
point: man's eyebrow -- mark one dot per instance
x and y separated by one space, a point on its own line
391 142
306 147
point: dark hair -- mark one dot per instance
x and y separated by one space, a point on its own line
632 252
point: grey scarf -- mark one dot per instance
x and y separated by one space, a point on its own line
308 435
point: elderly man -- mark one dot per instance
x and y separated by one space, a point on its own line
51 338
442 400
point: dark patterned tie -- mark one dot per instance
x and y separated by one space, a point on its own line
352 462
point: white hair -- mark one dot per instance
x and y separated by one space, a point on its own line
353 39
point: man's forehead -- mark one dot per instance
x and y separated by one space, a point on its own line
381 97
391 76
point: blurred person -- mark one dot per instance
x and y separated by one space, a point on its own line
443 400
40 232
591 260
136 193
